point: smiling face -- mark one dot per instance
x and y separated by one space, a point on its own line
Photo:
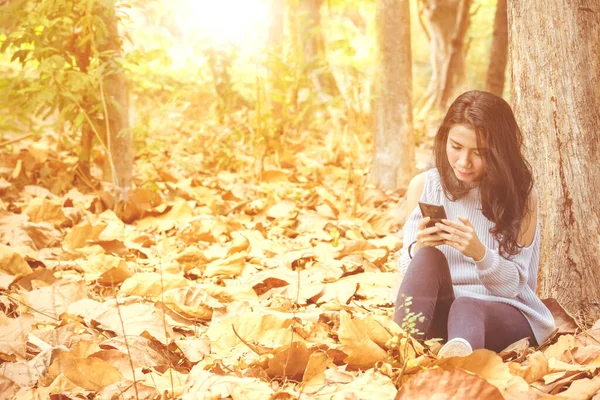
464 155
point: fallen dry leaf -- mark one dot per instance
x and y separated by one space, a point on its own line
441 384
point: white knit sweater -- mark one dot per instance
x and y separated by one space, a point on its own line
494 278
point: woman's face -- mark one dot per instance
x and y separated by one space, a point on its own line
463 154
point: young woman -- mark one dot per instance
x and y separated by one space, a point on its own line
473 275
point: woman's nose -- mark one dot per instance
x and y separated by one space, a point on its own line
464 160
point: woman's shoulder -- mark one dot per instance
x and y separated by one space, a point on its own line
423 184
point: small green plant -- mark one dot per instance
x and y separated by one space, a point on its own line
399 345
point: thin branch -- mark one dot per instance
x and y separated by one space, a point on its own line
11 141
127 347
164 318
33 309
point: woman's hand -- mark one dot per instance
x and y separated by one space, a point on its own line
427 236
462 237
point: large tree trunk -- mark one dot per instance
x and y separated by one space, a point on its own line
499 53
445 23
555 50
393 163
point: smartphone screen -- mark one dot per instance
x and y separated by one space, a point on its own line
433 211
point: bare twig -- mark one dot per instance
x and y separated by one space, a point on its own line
33 309
18 139
127 347
162 300
250 345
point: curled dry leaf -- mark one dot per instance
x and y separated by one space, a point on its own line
13 337
483 363
152 284
203 384
441 384
81 233
533 369
41 209
254 328
362 350
49 302
137 318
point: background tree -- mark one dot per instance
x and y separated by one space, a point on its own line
309 36
499 53
74 72
445 22
556 93
393 162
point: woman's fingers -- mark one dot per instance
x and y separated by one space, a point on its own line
461 227
450 237
451 229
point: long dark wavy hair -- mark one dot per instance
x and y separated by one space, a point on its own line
507 180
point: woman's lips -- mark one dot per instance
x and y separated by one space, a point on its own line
463 174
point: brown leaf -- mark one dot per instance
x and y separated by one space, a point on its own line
143 351
13 337
151 284
564 343
534 368
191 302
42 234
440 384
13 263
137 318
274 176
51 301
41 209
80 234
202 384
289 361
7 388
582 389
363 352
564 322
194 349
253 328
179 214
89 373
229 267
283 210
483 363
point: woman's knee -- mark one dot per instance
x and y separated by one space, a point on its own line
466 306
431 260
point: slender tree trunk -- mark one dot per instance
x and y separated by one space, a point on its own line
277 92
499 53
276 19
555 49
116 99
446 23
393 163
313 44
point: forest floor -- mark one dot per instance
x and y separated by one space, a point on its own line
232 284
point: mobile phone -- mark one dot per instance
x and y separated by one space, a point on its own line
433 211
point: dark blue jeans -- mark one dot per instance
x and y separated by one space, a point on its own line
484 324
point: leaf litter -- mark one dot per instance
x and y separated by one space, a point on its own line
234 285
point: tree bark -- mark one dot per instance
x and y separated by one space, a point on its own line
499 52
556 94
313 45
445 23
394 159
116 102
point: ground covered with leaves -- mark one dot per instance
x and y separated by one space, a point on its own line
242 285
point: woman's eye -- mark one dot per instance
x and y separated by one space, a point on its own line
455 147
476 153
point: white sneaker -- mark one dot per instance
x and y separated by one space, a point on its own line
457 347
